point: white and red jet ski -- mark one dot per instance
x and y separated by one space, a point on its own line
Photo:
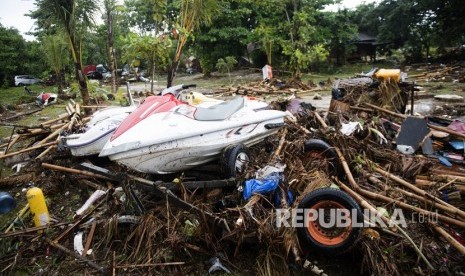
166 135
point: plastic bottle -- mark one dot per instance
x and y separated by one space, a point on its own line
7 203
36 201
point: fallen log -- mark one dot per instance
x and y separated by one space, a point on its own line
15 179
22 114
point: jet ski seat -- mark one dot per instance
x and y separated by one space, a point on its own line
220 111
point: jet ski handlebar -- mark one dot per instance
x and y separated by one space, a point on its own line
185 86
175 90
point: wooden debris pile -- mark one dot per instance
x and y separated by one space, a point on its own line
273 87
174 226
381 178
26 142
453 73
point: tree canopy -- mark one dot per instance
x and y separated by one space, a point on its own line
294 35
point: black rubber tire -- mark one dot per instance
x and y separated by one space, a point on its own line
306 239
328 153
229 159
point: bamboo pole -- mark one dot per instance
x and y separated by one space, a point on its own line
71 108
89 238
364 203
45 152
376 181
346 168
26 150
419 191
53 134
395 114
449 238
78 109
70 170
322 122
148 265
409 207
12 142
60 117
280 146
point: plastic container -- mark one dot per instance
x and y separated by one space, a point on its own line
38 207
7 202
388 74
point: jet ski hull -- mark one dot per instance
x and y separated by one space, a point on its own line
96 136
190 143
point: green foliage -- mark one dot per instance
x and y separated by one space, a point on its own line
227 35
147 47
55 49
226 64
18 57
415 26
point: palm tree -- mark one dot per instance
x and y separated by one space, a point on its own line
54 48
193 14
74 17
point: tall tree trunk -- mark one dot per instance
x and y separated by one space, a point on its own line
76 54
59 79
110 48
82 85
152 68
171 73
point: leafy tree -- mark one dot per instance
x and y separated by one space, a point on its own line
227 35
192 14
154 49
74 17
146 15
226 65
55 49
18 57
339 32
293 25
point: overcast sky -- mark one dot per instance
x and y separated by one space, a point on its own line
12 13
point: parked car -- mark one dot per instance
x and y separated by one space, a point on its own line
94 75
21 80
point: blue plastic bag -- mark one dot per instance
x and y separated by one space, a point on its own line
263 186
